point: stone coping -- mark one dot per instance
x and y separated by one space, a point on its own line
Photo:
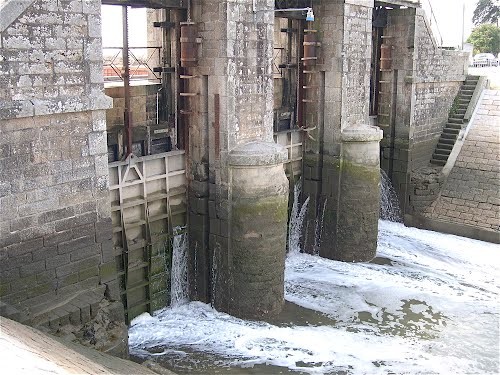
257 153
443 226
31 351
10 10
11 109
362 133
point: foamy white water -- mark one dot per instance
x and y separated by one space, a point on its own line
429 306
296 220
389 202
179 277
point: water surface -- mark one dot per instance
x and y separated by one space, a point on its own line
428 304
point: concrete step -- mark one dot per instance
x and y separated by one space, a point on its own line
439 157
438 162
442 151
451 131
454 120
448 136
471 79
467 91
444 146
461 112
468 87
446 141
453 126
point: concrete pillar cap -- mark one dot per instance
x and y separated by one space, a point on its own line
257 153
362 133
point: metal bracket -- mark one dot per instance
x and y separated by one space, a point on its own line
287 66
164 24
164 69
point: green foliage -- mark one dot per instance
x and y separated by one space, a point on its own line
487 11
485 38
454 107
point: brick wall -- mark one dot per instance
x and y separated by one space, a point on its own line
54 210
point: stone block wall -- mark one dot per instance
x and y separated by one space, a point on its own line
143 99
232 106
356 53
323 116
394 120
468 202
437 76
54 205
425 186
340 105
55 226
52 60
417 94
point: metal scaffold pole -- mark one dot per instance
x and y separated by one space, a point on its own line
127 117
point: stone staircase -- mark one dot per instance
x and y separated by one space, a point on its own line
455 122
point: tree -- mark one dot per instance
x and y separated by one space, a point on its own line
487 11
485 38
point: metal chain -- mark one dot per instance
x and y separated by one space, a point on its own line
177 118
189 11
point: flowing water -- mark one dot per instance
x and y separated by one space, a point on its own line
428 304
389 202
296 220
179 278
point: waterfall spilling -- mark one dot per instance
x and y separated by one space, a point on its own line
179 278
296 220
318 229
214 275
389 203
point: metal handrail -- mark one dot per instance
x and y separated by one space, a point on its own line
433 16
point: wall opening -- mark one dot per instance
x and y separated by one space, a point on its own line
147 192
137 75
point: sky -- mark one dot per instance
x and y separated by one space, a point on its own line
112 26
448 14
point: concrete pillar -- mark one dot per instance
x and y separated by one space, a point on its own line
359 193
240 199
259 210
341 161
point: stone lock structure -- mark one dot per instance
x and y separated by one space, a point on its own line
341 157
57 264
238 190
246 97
